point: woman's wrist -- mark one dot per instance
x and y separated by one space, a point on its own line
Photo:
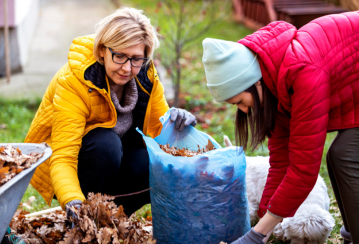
267 224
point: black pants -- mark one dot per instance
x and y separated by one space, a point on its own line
343 169
106 165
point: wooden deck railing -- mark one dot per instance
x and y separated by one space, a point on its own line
258 13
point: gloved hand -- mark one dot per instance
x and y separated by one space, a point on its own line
251 237
183 118
71 216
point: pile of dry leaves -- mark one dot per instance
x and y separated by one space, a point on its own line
99 220
12 162
185 152
49 229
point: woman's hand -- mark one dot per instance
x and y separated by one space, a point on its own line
71 216
252 237
183 118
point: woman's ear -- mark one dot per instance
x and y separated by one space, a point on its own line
259 88
102 51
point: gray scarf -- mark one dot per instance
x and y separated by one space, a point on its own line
124 109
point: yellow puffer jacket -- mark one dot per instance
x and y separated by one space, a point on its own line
70 108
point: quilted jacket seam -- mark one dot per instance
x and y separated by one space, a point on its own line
74 93
336 24
292 149
326 35
310 134
79 44
311 64
351 25
299 186
65 99
277 50
282 196
344 59
301 121
339 43
306 52
315 64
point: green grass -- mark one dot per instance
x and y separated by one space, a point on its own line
17 116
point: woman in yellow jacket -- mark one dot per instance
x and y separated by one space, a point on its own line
90 111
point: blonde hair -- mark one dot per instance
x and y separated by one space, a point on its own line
124 28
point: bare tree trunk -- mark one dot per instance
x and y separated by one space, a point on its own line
178 77
7 46
178 55
180 35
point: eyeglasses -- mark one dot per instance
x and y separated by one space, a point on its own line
120 58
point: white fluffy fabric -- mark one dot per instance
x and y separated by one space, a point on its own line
312 222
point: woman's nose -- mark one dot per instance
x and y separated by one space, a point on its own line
243 108
127 66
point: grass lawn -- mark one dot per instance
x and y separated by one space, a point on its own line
17 116
215 119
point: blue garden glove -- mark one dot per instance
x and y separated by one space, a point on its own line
251 237
71 216
183 118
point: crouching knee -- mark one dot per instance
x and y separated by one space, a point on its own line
102 147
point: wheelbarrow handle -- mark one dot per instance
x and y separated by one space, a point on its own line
46 211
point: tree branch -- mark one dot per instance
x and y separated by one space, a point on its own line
130 194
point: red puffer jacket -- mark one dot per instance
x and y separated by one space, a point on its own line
314 73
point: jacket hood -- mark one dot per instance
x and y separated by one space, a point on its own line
271 43
81 56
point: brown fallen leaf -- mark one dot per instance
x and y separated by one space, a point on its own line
15 162
104 235
3 171
185 152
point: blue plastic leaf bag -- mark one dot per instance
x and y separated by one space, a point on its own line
200 199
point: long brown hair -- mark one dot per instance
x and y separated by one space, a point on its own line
261 120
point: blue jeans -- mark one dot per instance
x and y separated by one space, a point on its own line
109 165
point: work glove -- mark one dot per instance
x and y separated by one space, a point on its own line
251 237
183 118
71 216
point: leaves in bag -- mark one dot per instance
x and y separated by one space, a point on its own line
174 151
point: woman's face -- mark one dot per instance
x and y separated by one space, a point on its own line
244 101
120 74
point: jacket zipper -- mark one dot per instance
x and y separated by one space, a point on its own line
103 93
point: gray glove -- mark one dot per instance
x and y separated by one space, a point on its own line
183 118
251 237
71 216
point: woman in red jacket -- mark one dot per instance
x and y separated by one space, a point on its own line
293 86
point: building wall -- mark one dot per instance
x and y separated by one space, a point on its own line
23 17
26 16
14 52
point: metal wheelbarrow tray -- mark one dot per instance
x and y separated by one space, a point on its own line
11 192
